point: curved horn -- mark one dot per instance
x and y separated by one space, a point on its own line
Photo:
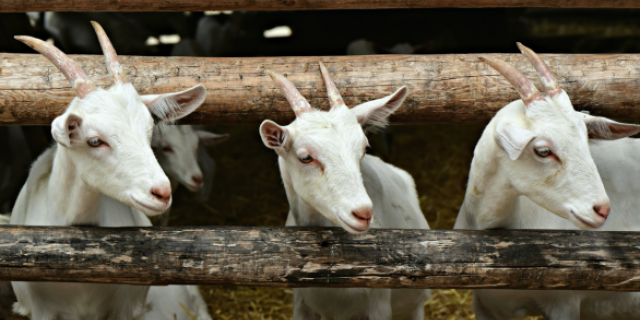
296 100
335 99
80 82
526 89
551 87
110 56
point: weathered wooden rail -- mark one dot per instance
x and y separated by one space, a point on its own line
202 5
324 257
443 88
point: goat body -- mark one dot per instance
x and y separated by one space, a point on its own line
172 303
41 202
618 167
330 181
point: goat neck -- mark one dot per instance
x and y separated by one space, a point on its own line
70 200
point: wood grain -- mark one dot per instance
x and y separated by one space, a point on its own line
443 88
324 257
202 5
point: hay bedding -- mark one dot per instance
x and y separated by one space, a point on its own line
248 303
248 192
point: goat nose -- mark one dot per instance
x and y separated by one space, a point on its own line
162 194
197 179
602 210
363 213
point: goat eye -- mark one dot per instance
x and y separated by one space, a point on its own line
167 149
306 158
543 152
95 142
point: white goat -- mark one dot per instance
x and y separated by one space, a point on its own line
533 169
330 181
176 149
101 172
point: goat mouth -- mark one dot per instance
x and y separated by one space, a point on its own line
158 209
591 224
192 187
352 227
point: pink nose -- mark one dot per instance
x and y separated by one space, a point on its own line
363 214
197 180
602 210
162 194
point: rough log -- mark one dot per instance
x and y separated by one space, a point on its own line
202 5
328 257
443 88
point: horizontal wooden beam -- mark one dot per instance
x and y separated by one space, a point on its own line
324 257
443 88
203 5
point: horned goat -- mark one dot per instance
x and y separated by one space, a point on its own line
101 172
331 181
534 168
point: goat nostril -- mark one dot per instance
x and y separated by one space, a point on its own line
363 214
197 179
162 194
602 210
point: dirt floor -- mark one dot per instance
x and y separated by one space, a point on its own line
248 192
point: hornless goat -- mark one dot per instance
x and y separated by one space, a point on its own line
176 149
101 172
330 181
533 169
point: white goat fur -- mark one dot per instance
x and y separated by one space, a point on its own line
109 185
341 179
164 303
533 192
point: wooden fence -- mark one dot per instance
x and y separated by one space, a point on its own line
443 88
324 257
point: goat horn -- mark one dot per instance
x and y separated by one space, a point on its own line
335 99
80 82
526 89
296 100
110 56
551 87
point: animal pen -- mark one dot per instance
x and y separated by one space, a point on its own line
447 88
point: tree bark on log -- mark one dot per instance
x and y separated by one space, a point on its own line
203 5
324 257
450 88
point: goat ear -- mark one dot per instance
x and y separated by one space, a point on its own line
512 139
274 136
64 128
209 138
174 106
602 128
376 112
